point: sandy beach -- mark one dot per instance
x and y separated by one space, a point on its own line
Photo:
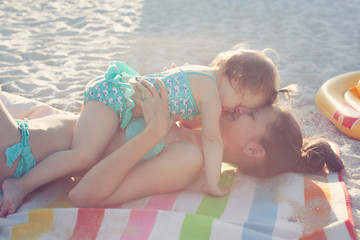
49 50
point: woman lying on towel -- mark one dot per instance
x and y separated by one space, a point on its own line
262 143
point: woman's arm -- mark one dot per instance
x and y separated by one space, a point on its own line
178 165
105 177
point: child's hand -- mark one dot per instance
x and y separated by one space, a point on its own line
214 190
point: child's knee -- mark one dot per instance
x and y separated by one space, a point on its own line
85 158
79 199
76 199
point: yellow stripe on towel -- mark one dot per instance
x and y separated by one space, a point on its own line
62 201
40 222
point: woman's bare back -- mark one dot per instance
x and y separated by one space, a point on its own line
47 135
51 134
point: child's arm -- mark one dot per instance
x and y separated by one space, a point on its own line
192 124
212 144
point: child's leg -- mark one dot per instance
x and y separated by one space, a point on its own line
93 131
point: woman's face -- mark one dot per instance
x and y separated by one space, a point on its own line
241 127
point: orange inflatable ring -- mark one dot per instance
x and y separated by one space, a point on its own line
340 105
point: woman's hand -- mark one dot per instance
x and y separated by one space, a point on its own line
155 106
173 65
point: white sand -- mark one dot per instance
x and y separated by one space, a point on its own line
50 49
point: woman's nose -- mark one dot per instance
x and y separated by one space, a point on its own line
241 110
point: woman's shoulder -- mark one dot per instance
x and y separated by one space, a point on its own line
186 149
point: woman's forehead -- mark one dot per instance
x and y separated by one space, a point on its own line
265 114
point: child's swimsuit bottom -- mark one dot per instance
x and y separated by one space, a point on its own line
114 91
22 149
136 126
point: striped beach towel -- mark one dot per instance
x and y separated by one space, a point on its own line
289 206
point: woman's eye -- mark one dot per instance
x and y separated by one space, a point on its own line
251 114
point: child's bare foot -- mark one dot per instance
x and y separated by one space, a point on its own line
13 197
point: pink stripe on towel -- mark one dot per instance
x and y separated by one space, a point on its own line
162 202
88 223
140 224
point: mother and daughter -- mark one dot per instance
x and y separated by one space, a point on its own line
130 157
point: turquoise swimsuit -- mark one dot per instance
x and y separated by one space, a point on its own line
136 126
181 100
22 149
113 89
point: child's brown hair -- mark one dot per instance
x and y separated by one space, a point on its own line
254 70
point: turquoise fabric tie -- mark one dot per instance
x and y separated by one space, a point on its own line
22 148
123 70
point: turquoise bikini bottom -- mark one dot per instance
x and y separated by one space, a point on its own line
22 149
137 125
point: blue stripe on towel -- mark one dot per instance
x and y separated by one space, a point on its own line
263 213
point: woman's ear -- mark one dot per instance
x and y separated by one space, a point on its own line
254 150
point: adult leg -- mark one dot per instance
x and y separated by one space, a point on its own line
174 169
8 128
93 131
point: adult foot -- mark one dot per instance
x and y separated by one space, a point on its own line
13 197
